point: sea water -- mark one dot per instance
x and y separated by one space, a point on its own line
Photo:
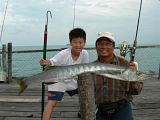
26 64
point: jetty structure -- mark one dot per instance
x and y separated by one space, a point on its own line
28 105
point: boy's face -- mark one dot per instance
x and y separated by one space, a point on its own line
77 44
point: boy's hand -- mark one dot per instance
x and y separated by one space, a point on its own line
44 62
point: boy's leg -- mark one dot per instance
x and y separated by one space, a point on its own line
53 98
48 109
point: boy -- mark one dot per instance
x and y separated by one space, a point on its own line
72 55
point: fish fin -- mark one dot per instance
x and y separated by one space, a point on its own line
144 76
49 67
22 85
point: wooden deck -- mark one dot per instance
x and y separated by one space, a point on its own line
28 105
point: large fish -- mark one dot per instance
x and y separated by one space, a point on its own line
57 73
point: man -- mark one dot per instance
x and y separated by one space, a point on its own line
112 96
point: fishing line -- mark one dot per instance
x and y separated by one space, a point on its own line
4 20
74 14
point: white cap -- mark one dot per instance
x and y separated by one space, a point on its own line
108 35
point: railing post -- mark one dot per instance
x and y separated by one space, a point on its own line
159 72
9 62
86 96
4 58
43 98
3 67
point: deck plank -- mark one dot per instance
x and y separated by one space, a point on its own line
27 106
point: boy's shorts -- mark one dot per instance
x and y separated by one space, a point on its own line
56 95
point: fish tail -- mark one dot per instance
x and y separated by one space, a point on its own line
22 85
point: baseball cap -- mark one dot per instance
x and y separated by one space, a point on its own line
108 35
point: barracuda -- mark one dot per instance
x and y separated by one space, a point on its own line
57 73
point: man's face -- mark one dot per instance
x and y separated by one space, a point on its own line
104 47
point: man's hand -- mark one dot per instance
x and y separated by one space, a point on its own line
133 65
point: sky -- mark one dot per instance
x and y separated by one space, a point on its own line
25 21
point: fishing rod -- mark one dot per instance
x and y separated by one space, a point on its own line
45 36
133 49
124 46
44 57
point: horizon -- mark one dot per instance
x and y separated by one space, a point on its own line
86 46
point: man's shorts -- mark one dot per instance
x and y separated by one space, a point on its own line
56 95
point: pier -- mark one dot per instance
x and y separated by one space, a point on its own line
27 106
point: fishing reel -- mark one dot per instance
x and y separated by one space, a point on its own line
124 48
